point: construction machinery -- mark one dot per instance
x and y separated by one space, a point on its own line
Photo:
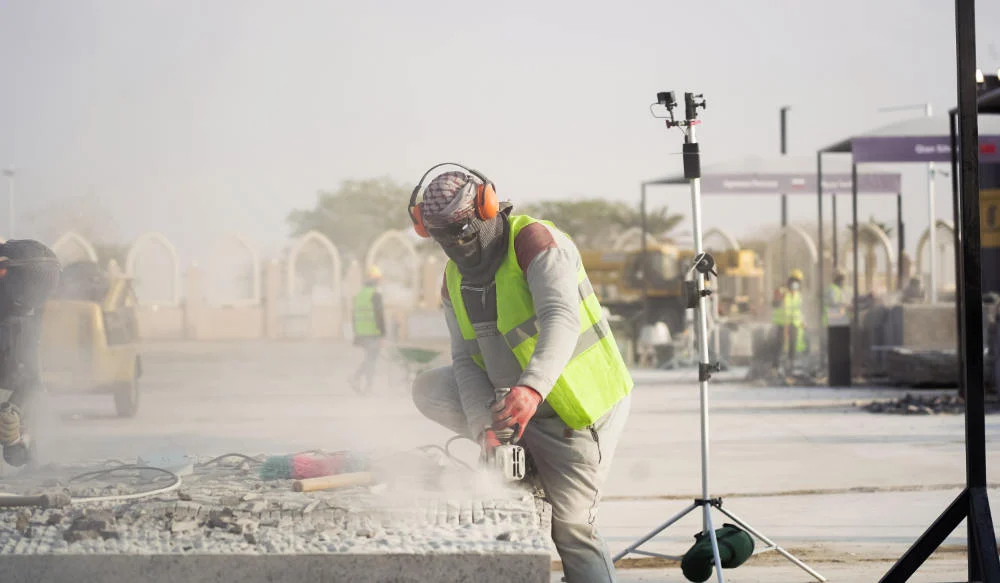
90 336
618 277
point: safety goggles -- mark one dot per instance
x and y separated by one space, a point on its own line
453 233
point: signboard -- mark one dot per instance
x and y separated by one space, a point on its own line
989 217
890 149
868 183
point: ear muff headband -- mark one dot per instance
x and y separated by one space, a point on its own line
487 205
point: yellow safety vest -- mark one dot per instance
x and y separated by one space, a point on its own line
595 378
790 310
365 323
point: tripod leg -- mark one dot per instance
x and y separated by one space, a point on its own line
774 545
654 532
707 509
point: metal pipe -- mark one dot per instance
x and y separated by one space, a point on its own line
854 230
822 299
900 241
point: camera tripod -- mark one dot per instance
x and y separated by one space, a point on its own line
697 294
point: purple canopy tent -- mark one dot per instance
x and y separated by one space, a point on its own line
925 139
777 176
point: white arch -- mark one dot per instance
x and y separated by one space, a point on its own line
922 242
770 252
293 258
729 239
411 250
881 240
622 241
255 293
74 237
157 238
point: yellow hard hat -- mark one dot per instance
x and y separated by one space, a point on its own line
373 272
796 274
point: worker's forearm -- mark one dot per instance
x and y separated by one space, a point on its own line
475 391
552 280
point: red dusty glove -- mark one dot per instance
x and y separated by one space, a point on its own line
517 408
488 441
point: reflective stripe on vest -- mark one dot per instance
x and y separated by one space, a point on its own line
595 378
365 323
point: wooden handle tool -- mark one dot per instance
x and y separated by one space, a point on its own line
333 482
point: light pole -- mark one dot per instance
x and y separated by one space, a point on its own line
931 215
9 174
784 197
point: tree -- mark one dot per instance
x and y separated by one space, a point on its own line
354 214
595 222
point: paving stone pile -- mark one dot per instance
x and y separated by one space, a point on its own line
227 508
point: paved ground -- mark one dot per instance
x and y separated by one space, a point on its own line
845 489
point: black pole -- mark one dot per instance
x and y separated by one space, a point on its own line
645 263
784 197
956 213
836 252
900 241
854 230
819 204
973 503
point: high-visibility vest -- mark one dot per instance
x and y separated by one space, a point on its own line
365 323
595 378
834 305
789 312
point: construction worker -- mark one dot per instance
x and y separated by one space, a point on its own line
787 318
29 273
835 300
522 314
369 328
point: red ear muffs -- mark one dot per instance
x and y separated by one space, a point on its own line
418 222
487 205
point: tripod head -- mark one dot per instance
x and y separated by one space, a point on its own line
668 101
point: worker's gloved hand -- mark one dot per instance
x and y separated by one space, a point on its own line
488 442
516 409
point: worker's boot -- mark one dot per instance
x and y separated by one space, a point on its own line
16 445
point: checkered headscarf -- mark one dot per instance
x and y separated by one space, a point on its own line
449 198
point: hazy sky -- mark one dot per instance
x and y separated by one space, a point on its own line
199 117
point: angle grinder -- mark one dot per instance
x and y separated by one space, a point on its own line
508 457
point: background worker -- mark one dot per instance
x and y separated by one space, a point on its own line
369 328
521 314
787 317
836 305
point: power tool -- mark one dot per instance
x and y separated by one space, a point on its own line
508 457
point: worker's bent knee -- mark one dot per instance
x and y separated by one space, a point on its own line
435 394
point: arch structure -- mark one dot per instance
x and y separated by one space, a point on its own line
881 240
255 289
925 238
155 238
731 243
799 233
314 237
412 265
71 240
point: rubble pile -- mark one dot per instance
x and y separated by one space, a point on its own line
911 404
231 510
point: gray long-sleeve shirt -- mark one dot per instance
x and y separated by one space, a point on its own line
550 262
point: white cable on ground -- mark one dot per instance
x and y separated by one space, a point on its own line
122 497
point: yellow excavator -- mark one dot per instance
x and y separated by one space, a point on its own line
617 277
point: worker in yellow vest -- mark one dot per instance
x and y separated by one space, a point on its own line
369 328
522 314
835 302
787 318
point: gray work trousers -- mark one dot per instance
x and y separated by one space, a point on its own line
572 467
